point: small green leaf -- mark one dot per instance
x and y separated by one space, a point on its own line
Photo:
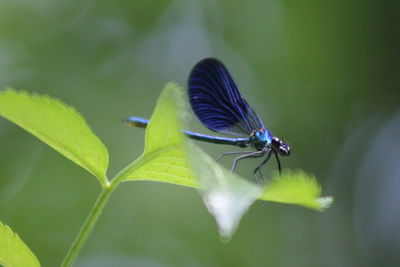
14 252
58 125
296 187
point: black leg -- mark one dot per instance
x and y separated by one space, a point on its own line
254 154
279 162
262 176
232 153
262 164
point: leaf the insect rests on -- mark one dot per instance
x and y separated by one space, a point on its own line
169 157
59 126
14 252
165 157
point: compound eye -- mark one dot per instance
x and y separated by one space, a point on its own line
276 140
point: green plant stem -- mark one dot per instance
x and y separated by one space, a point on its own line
95 213
88 225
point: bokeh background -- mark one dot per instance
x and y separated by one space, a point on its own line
323 75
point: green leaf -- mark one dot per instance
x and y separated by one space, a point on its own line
170 157
14 252
58 125
296 187
164 158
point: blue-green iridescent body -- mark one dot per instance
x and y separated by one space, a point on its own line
260 139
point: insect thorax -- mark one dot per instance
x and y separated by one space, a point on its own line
260 139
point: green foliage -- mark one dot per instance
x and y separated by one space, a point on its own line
296 187
14 252
164 158
168 157
59 126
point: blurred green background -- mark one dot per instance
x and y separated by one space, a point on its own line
323 76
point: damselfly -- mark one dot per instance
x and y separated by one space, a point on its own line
219 105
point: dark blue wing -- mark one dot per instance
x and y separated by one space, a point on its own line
217 101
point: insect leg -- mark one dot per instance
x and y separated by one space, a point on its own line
262 164
258 179
232 153
253 154
279 162
262 174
